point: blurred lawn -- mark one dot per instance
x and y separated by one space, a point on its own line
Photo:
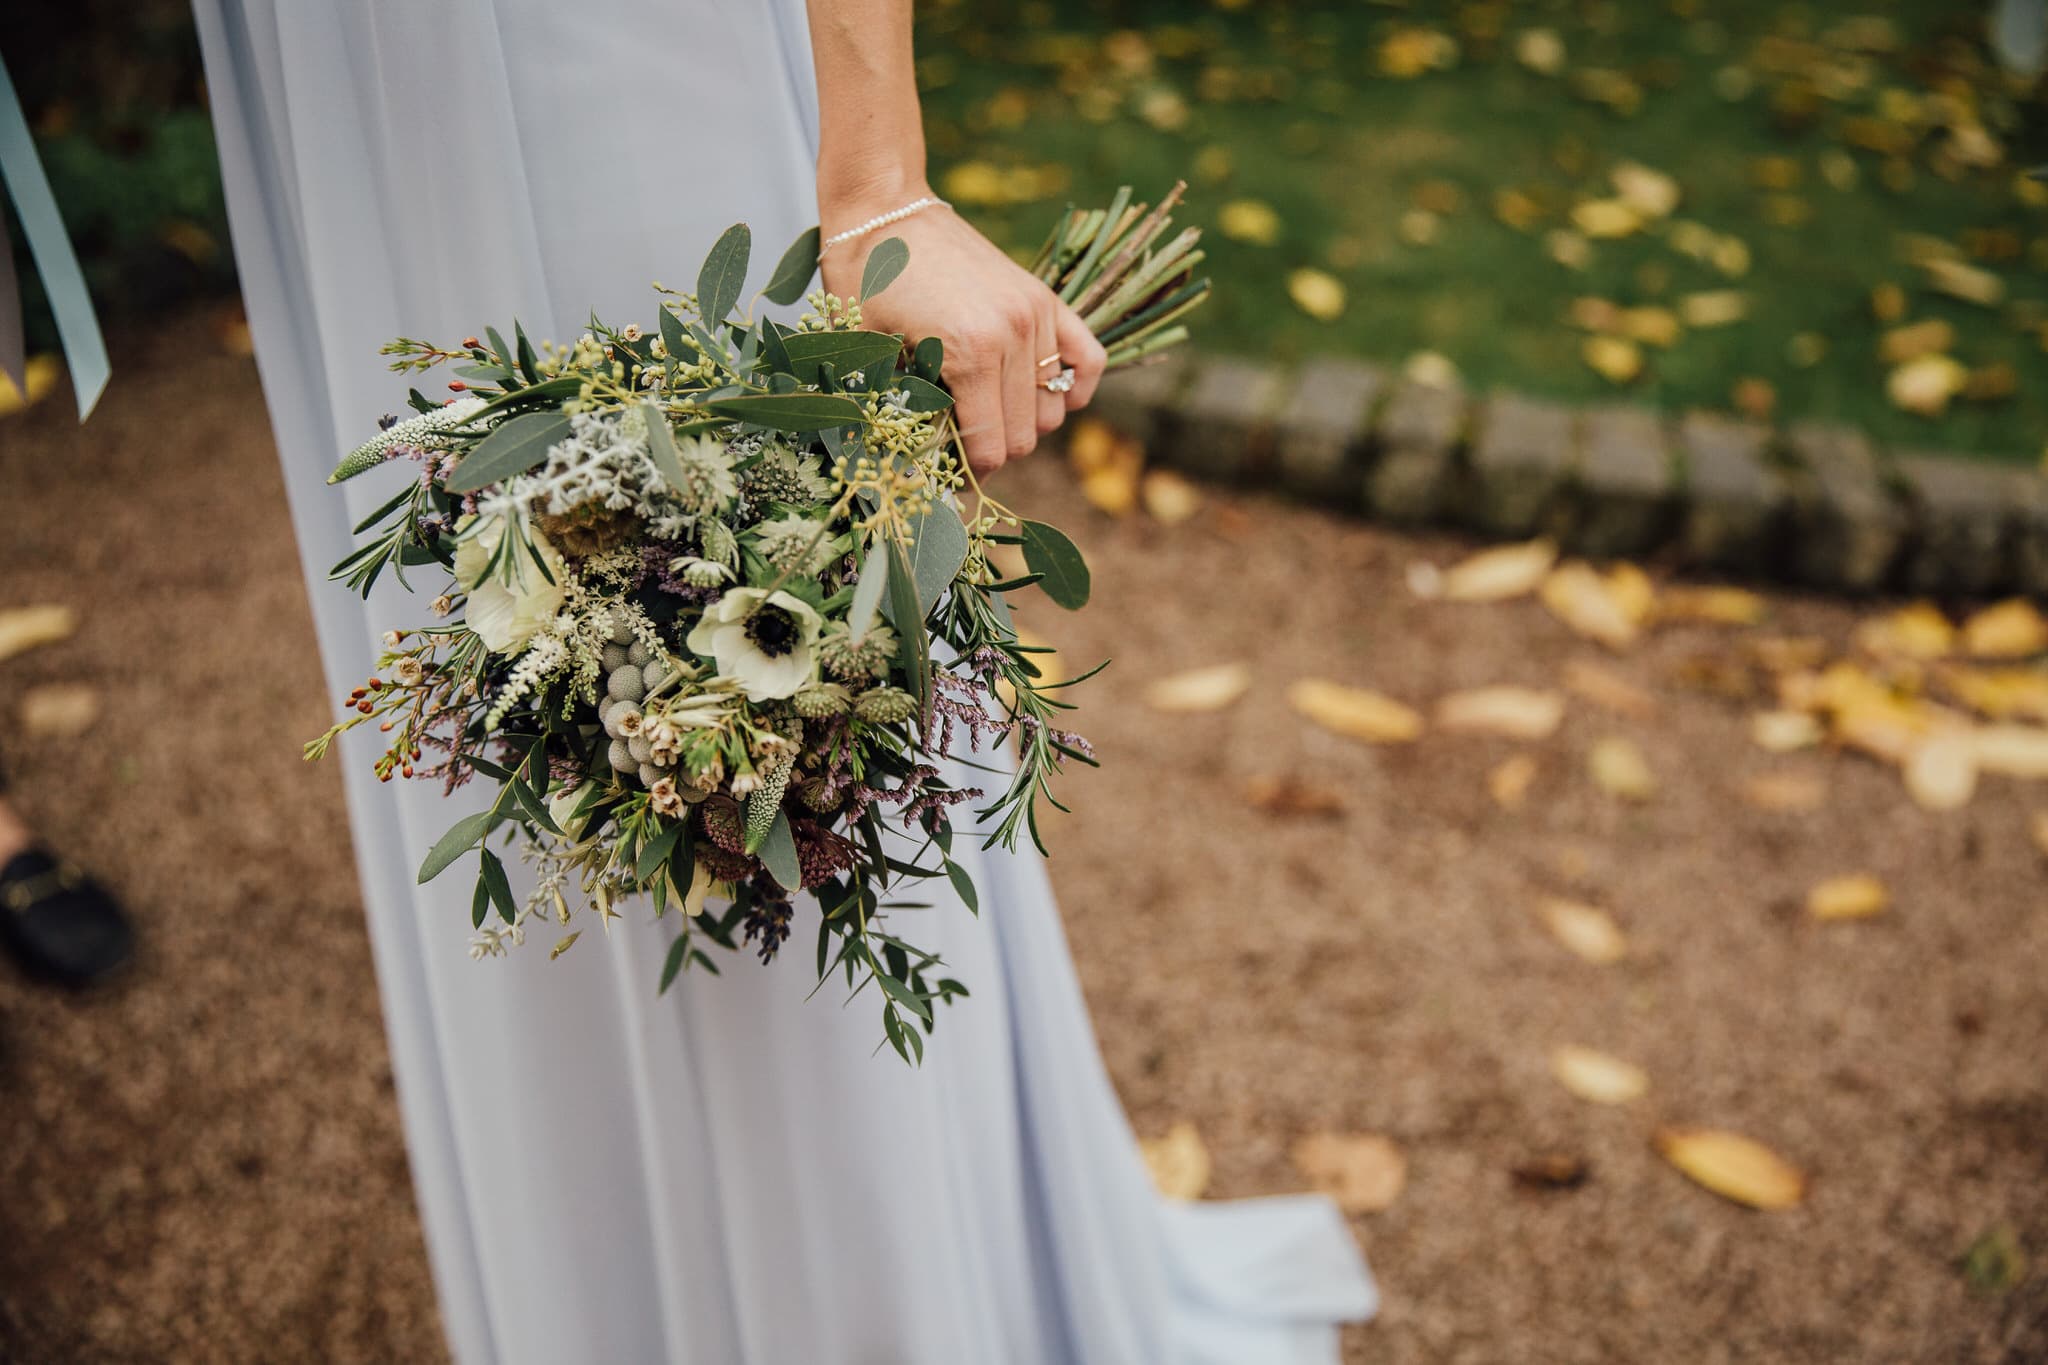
1382 136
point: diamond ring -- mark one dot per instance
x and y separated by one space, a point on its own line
1060 382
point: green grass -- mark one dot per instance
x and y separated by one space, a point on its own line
1287 105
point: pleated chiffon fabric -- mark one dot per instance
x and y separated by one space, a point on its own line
728 1174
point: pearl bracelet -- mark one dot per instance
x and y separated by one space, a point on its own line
880 220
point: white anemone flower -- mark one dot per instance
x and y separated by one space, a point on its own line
766 641
504 615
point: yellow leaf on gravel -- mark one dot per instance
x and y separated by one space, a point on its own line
1601 608
1169 498
2012 629
1287 794
1941 774
2012 750
1179 1162
1785 792
1355 712
1200 689
1317 293
1733 1166
1712 605
59 710
1615 359
1108 464
1509 781
1888 728
1619 769
1604 687
1780 732
1587 930
1516 712
1500 573
1361 1172
26 628
1597 1077
1917 631
2000 693
1249 220
1855 896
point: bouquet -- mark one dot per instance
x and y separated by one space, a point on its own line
720 602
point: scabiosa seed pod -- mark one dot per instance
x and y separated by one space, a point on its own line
723 825
652 672
885 705
766 801
649 774
867 656
820 701
636 653
640 749
621 758
614 658
626 684
622 632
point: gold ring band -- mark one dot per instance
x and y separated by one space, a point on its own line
1052 359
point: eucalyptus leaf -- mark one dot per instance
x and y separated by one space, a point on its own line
867 594
500 886
938 548
1049 553
460 838
929 358
963 886
674 962
794 271
514 446
844 351
778 854
922 396
724 274
884 264
791 412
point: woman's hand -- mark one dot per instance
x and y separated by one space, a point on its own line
996 320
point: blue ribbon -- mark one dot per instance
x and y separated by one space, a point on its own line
79 331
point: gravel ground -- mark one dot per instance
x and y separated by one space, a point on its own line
204 1163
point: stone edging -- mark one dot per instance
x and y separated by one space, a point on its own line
1808 503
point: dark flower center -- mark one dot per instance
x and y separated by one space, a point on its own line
773 631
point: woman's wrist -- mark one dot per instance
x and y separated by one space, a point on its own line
849 197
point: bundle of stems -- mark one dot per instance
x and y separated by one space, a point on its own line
1130 290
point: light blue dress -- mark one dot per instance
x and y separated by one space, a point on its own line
728 1175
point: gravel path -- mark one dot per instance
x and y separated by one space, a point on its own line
205 1164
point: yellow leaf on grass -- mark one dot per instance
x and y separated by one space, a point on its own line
1713 605
1360 1172
1509 781
1317 293
1619 769
1941 774
59 710
1733 1166
2012 629
2012 750
1541 50
1596 1076
1249 220
1432 369
1587 930
1972 284
1601 608
1200 689
1606 218
1500 573
1516 712
1780 732
1929 337
1714 308
1785 792
1179 1162
1615 359
26 628
1857 895
1651 193
1169 498
1924 386
1604 687
1355 712
1916 631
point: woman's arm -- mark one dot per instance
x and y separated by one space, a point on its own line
996 320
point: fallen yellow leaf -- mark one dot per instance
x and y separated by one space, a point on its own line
1733 1167
1169 498
1714 605
1361 1172
1785 792
1597 1077
1780 732
1713 308
26 628
1500 573
39 374
2000 693
1606 218
59 710
1604 687
1651 193
1509 781
2012 750
1431 369
1516 712
1286 794
1586 930
1200 689
1972 284
1916 631
1615 359
1179 1162
1929 337
1408 52
1317 293
2012 629
1923 386
1619 769
1599 608
1649 325
1941 774
1249 220
1855 896
1355 712
1541 50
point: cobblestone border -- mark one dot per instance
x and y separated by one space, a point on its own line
1809 502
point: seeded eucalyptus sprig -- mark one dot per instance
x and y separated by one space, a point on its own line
1130 290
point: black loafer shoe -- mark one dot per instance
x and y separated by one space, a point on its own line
60 924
